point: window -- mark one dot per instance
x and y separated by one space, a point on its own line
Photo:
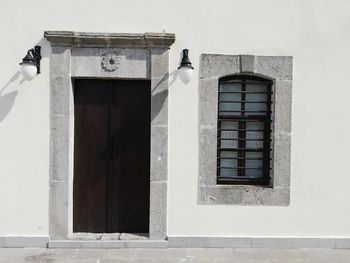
244 125
244 147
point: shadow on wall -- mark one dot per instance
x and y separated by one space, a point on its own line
7 100
161 97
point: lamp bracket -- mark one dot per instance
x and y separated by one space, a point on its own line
33 57
185 62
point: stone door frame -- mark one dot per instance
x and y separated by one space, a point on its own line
87 55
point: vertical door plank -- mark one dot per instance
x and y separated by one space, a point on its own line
131 159
92 154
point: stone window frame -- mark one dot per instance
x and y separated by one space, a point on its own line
279 69
83 55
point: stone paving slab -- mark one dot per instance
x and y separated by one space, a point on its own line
181 255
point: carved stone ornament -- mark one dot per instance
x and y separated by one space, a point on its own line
110 62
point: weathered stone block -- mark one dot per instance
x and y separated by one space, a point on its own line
146 244
209 242
247 63
88 39
220 195
216 66
208 102
276 196
59 149
292 243
60 61
159 62
243 195
130 63
159 102
159 153
130 236
23 241
158 204
281 160
58 210
103 244
110 236
283 106
343 243
86 62
64 244
60 93
277 67
86 236
207 156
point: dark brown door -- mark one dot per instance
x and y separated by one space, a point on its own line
111 156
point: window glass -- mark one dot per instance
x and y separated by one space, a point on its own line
244 114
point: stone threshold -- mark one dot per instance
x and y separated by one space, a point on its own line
109 236
105 244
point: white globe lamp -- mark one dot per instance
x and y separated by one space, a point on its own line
29 71
30 65
185 69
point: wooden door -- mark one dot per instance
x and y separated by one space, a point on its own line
111 156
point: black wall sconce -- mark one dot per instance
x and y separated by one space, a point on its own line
30 65
186 69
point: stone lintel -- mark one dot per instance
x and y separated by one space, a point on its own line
85 39
247 63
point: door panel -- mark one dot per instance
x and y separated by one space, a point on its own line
131 159
111 156
91 156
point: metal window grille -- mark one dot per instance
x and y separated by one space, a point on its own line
244 130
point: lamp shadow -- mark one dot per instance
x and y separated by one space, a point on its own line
7 100
159 98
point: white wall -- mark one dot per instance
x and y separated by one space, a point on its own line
315 33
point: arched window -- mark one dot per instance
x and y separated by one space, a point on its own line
244 130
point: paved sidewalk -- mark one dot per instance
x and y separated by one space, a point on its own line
14 255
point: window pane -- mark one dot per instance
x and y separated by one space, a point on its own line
230 87
254 173
254 163
229 107
256 107
260 96
228 172
258 87
227 144
232 107
230 96
228 163
231 163
255 136
255 125
254 155
253 105
225 133
229 129
228 154
255 97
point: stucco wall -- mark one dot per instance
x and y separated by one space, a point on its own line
315 33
